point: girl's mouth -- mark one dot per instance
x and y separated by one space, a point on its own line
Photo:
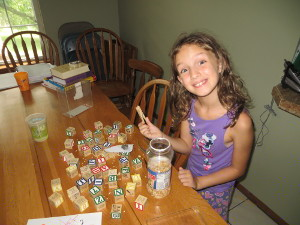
200 83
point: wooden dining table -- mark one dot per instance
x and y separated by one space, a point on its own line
27 167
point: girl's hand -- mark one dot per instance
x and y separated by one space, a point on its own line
149 130
186 178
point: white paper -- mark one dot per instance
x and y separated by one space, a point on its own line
36 73
7 80
78 91
120 148
78 219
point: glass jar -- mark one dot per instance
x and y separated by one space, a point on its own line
160 154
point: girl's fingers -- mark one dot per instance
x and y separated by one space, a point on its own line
187 182
148 121
185 177
183 171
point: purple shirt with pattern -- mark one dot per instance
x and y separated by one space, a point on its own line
209 154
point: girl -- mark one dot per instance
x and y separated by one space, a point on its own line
209 102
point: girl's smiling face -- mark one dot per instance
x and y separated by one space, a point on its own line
198 70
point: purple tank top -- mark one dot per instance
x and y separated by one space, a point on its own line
209 154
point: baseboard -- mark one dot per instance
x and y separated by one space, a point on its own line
277 219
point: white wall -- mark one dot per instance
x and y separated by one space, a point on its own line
101 13
259 35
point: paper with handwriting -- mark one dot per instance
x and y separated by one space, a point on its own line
78 219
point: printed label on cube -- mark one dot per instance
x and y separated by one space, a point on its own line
104 168
99 199
92 162
94 190
80 142
123 160
81 182
98 181
112 178
107 144
118 192
91 179
96 148
115 215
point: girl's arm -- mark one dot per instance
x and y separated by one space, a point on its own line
182 144
242 137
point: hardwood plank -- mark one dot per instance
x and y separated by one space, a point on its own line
20 184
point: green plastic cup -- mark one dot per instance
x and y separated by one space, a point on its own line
37 123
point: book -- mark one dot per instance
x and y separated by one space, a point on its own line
91 78
69 70
51 84
73 79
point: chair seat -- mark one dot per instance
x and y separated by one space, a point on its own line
114 89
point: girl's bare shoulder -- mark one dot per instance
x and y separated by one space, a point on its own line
244 123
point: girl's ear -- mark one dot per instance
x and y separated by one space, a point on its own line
220 66
179 78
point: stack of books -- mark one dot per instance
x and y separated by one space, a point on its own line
68 74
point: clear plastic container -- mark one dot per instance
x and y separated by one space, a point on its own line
160 154
75 99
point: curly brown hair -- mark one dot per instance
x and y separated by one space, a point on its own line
231 90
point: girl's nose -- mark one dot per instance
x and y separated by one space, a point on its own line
194 73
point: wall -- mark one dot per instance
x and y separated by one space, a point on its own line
259 35
100 13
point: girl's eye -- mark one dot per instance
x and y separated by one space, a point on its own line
183 70
202 62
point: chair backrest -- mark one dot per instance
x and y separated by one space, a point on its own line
73 28
152 98
27 48
146 70
67 36
103 50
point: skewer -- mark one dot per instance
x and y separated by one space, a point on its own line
140 112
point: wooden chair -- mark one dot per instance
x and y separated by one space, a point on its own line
103 50
27 48
130 52
146 70
152 98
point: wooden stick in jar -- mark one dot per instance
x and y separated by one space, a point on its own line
140 112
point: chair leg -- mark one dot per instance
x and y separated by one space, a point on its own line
128 101
117 102
122 102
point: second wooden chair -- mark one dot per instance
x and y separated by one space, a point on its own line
103 50
142 71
